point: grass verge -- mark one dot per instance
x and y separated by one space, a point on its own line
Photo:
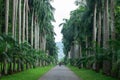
31 74
86 74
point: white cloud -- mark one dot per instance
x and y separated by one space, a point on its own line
63 8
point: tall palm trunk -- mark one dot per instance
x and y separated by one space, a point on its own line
105 26
14 64
86 46
26 20
99 28
43 43
112 19
16 14
6 16
106 63
13 19
112 14
19 22
38 37
23 28
94 26
6 32
35 34
32 28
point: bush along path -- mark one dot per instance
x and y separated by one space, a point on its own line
86 74
31 74
26 35
91 36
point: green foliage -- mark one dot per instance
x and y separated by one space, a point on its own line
22 53
89 74
31 74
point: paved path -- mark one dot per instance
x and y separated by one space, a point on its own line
59 73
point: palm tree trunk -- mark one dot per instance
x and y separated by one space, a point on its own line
40 41
16 12
112 14
32 28
23 28
5 71
44 42
35 34
19 22
10 71
106 63
86 45
80 50
112 19
27 20
105 26
99 28
6 32
19 65
13 19
6 16
94 26
14 65
38 37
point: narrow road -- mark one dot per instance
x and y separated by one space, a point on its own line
59 73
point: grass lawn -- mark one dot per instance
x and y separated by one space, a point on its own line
31 74
85 74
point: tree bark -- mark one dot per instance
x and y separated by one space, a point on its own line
6 32
94 26
13 19
38 37
5 71
35 34
99 28
32 28
6 16
112 14
105 26
16 14
86 45
19 22
26 20
23 28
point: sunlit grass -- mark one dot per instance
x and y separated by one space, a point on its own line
31 74
86 74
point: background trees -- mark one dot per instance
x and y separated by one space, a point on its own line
26 35
93 28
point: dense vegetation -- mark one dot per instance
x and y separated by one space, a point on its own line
86 74
26 35
31 74
91 36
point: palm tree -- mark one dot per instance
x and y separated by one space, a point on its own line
16 19
112 5
6 32
23 26
26 10
106 25
6 16
32 28
18 54
13 18
99 27
94 25
19 21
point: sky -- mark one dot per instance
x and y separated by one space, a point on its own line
63 8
